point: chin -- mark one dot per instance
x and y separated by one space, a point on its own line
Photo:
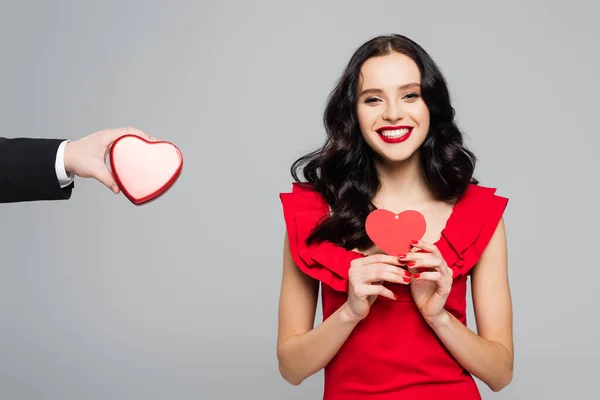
394 153
388 158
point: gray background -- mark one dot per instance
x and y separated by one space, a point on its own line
100 299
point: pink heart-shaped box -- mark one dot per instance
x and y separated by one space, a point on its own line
144 170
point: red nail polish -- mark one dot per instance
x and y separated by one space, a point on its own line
414 241
410 264
395 296
406 279
417 276
401 256
407 273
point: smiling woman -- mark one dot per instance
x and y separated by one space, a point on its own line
393 326
381 117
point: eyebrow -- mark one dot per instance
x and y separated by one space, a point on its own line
403 87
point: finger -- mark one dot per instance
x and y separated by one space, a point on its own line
379 258
413 256
372 290
103 175
114 134
430 262
129 130
419 269
436 277
433 276
425 262
420 244
388 276
375 272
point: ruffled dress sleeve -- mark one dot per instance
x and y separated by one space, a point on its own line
326 262
470 228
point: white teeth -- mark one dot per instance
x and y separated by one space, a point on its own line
396 133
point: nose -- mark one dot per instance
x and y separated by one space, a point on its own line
393 112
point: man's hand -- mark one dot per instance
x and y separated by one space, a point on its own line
86 157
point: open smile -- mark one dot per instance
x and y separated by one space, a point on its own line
394 134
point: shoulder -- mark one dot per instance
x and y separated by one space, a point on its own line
303 209
490 209
303 195
476 216
477 194
479 204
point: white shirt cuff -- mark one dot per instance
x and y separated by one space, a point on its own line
63 179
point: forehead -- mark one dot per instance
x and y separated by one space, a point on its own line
389 70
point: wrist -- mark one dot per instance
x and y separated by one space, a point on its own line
439 321
67 157
347 316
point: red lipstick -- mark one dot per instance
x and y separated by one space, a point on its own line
398 139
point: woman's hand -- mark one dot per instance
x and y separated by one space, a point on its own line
366 277
431 288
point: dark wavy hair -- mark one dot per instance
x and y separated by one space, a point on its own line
343 169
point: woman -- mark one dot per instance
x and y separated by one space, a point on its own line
393 326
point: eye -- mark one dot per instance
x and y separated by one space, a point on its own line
371 100
412 96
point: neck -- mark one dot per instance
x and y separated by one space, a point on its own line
402 183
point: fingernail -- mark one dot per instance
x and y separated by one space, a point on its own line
407 273
395 296
410 264
414 241
406 279
401 256
416 276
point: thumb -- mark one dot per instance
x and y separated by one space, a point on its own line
109 136
134 131
104 176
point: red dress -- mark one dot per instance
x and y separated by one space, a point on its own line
393 353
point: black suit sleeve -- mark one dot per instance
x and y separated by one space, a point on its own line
27 170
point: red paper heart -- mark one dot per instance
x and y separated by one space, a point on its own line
392 233
144 170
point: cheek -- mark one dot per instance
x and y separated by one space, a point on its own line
422 116
366 119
